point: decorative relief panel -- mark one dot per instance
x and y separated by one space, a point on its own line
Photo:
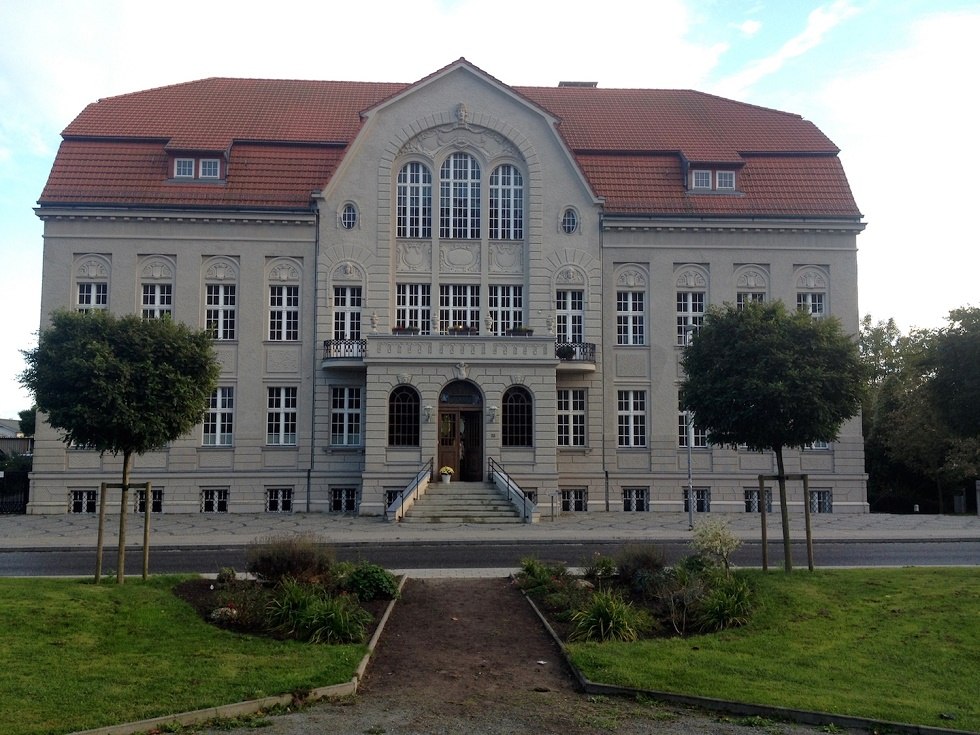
506 257
811 278
691 279
221 269
348 271
92 268
751 278
460 256
570 276
414 257
284 270
461 135
156 269
632 278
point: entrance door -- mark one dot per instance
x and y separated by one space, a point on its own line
461 442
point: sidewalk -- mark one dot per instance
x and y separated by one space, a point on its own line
234 529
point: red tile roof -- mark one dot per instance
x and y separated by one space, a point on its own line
285 138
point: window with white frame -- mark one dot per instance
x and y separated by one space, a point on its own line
184 168
82 501
219 419
571 417
92 295
743 298
413 204
459 306
281 416
752 500
629 318
210 168
505 306
413 306
156 504
345 417
702 499
347 302
279 500
688 430
348 216
569 316
725 180
283 313
158 300
214 500
569 221
344 500
701 179
811 302
821 501
636 499
690 314
221 310
575 500
506 220
631 417
819 445
459 197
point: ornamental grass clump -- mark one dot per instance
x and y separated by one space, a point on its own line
307 612
607 617
303 557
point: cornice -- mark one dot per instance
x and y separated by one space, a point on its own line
666 224
56 213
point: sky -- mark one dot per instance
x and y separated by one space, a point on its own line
892 82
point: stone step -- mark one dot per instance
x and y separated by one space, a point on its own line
411 517
461 502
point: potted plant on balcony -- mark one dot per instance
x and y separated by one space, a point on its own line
446 473
459 329
565 352
519 331
402 328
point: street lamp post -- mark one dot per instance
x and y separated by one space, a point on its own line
689 440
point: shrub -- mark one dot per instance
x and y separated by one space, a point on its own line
288 604
226 577
537 578
636 558
334 620
371 582
600 568
607 617
679 593
300 556
714 540
725 604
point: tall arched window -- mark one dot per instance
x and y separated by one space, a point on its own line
506 203
517 422
403 417
414 201
459 191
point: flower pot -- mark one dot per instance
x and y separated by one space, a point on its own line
446 479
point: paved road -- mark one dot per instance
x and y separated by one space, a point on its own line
489 554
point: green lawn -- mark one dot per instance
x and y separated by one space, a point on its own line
75 656
890 644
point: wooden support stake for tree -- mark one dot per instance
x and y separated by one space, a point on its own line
806 514
147 509
99 543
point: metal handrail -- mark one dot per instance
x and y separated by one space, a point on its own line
343 348
496 471
575 351
397 507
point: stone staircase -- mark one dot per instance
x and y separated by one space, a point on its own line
462 502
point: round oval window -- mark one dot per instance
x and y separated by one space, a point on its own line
569 221
348 218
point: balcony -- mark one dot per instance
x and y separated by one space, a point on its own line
575 356
344 353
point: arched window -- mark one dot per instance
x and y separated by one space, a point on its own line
403 417
414 201
517 423
506 203
459 191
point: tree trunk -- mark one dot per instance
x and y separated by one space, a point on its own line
123 502
783 509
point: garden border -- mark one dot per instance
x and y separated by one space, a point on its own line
249 707
804 717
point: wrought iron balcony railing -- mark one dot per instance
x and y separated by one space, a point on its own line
575 351
344 349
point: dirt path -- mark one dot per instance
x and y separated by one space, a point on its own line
470 657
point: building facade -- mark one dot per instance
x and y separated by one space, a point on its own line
444 273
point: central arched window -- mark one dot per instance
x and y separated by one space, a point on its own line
506 203
517 422
403 417
459 193
414 201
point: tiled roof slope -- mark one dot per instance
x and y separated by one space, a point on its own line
285 138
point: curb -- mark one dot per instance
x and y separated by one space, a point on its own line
250 707
803 717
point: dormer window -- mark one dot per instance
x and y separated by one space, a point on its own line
210 168
197 168
702 179
184 168
706 179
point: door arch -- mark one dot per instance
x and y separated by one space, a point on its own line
461 430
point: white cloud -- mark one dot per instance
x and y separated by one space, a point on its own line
749 27
819 23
